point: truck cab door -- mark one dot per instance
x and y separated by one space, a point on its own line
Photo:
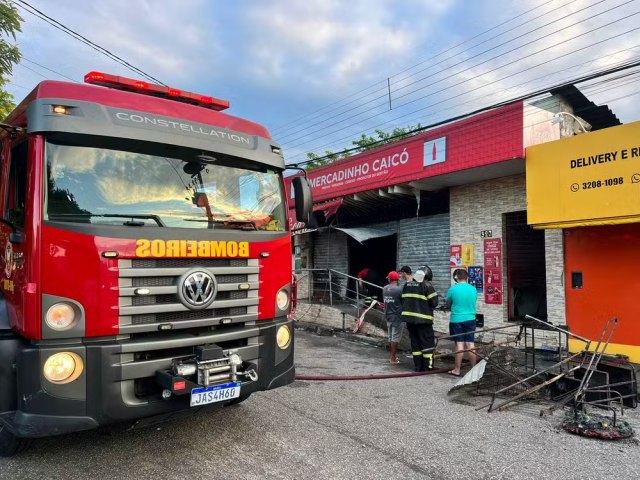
12 231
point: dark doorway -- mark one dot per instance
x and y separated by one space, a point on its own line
526 269
378 254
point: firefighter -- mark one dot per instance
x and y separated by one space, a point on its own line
419 298
367 278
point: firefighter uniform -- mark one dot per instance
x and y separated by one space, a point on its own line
418 301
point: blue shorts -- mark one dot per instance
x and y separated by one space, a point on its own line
464 330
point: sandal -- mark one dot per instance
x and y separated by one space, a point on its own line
394 362
451 372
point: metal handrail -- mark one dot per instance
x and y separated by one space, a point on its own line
337 287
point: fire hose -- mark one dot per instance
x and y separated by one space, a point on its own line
379 376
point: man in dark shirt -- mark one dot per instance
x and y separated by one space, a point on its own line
392 295
368 282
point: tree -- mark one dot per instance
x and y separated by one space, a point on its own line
363 144
10 23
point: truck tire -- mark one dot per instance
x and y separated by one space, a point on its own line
10 444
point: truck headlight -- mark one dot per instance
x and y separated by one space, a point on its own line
282 299
63 367
61 316
283 337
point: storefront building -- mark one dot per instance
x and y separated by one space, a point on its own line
451 197
592 200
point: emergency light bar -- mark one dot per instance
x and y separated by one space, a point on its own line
139 86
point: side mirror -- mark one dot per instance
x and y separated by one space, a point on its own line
303 199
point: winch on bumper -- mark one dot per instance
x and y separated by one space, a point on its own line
209 370
120 380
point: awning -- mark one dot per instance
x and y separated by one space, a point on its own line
362 234
328 208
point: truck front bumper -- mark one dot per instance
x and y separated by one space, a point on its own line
119 383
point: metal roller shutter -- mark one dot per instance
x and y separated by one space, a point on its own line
330 252
426 240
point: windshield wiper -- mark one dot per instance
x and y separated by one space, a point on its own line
131 223
216 221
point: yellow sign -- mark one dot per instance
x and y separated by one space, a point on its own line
589 179
467 254
190 248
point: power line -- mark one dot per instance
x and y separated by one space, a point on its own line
18 85
466 59
306 127
48 69
311 115
523 35
468 68
477 88
484 85
512 101
506 131
515 88
51 21
517 127
32 70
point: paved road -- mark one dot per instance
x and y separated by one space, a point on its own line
397 428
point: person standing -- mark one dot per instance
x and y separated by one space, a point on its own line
419 298
368 281
392 296
461 299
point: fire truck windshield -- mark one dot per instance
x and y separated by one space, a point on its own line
159 186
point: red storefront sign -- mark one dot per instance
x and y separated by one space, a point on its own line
485 139
493 271
367 170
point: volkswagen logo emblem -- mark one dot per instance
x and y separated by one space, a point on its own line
197 289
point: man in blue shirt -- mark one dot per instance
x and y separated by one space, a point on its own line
461 298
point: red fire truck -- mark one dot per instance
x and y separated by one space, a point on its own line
146 258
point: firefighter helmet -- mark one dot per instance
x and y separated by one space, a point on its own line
423 273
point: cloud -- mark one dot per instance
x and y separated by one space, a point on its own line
167 40
281 61
535 53
320 42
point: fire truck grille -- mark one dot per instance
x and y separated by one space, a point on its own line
187 263
190 315
168 281
149 293
154 299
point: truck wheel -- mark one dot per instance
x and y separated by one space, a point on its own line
238 400
10 444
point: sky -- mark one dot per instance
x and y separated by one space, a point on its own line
320 73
